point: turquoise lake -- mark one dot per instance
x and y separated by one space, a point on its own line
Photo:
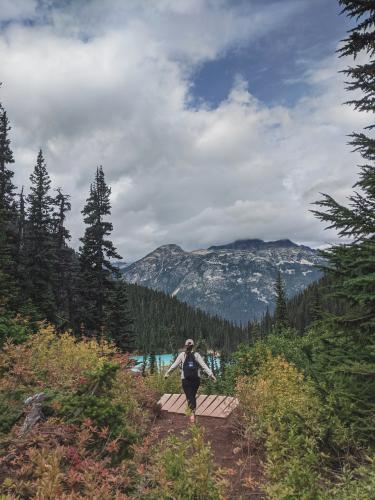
161 360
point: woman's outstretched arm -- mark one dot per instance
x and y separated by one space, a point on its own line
175 364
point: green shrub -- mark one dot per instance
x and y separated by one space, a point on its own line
357 484
15 329
162 385
287 343
10 410
181 469
282 409
94 401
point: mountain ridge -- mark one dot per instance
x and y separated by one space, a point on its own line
234 281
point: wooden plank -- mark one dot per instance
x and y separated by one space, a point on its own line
200 399
218 411
177 403
208 406
205 404
171 401
182 408
164 399
182 405
232 405
225 408
208 411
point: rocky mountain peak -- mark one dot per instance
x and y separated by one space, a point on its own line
235 281
254 244
169 249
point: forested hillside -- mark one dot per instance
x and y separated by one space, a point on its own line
162 323
315 302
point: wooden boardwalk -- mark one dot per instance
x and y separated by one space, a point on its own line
207 406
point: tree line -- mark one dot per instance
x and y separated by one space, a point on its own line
43 278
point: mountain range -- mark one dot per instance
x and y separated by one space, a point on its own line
234 281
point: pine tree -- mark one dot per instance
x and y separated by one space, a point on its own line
8 215
6 157
152 362
280 316
19 255
118 322
63 268
349 350
40 249
21 225
266 323
96 253
315 310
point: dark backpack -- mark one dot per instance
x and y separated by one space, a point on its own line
190 366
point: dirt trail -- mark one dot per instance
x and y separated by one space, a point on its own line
243 462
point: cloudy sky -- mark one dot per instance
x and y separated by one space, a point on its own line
214 120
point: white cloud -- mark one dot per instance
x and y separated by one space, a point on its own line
111 86
17 10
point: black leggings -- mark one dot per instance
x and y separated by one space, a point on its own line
190 387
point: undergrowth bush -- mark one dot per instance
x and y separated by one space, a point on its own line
93 400
310 453
12 328
358 484
286 343
281 408
162 385
182 469
11 405
60 460
48 360
82 379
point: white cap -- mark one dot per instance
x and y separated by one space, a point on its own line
189 342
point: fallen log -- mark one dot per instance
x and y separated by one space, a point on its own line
33 411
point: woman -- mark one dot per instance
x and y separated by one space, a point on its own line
190 363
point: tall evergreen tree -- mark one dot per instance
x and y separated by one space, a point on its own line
350 350
8 214
63 268
280 316
7 196
40 248
19 256
315 311
118 322
96 254
21 225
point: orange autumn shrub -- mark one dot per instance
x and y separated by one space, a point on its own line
96 410
64 368
50 360
58 460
